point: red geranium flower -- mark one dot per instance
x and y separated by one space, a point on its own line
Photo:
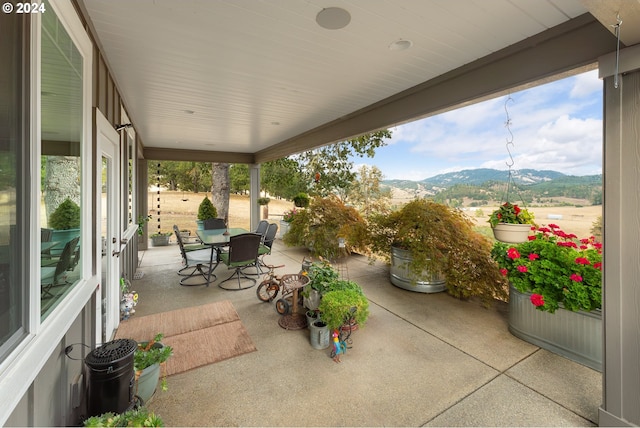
583 261
512 253
575 277
533 256
537 300
522 268
504 272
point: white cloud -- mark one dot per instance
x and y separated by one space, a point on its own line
586 84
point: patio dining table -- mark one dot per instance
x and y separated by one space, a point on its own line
216 239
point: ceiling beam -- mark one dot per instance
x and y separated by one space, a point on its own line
160 154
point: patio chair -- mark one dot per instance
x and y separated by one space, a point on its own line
56 274
243 253
263 225
265 247
194 262
214 223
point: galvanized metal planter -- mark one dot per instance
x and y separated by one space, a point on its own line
401 276
575 335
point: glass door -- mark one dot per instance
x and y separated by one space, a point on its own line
109 165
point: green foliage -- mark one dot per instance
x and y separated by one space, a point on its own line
321 276
333 164
139 417
301 200
206 210
263 201
66 216
337 306
142 220
150 353
239 178
367 194
556 268
440 239
282 178
182 175
320 226
511 214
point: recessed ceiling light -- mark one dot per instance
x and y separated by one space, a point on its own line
333 18
400 45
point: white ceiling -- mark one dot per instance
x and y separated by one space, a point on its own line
243 75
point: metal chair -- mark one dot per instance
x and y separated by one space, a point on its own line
194 260
265 247
243 253
214 223
263 225
56 274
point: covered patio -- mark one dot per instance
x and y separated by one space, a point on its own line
422 359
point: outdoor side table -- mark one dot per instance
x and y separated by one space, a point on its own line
294 320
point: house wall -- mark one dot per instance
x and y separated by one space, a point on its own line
49 399
57 395
621 312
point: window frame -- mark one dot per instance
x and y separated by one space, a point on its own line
42 338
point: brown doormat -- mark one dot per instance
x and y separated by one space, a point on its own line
199 335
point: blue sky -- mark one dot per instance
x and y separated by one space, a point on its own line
557 126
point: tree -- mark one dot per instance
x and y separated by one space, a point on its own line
282 178
62 181
367 194
239 178
220 188
186 176
329 170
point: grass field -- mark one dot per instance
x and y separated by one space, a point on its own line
181 209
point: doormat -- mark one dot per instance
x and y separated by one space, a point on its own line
199 335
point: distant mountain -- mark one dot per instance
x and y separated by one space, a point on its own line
487 183
485 176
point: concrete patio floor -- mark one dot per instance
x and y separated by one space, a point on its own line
421 360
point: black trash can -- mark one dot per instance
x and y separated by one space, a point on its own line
110 377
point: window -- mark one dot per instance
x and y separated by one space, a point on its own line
14 143
61 166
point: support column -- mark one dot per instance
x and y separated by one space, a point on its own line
621 238
254 192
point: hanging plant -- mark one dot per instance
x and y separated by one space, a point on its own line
509 222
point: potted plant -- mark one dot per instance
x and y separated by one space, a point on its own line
328 227
321 275
301 200
556 292
142 220
287 218
65 222
206 210
345 305
147 360
264 203
434 239
136 417
510 223
160 239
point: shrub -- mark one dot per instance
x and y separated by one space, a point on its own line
440 239
66 216
206 210
322 224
